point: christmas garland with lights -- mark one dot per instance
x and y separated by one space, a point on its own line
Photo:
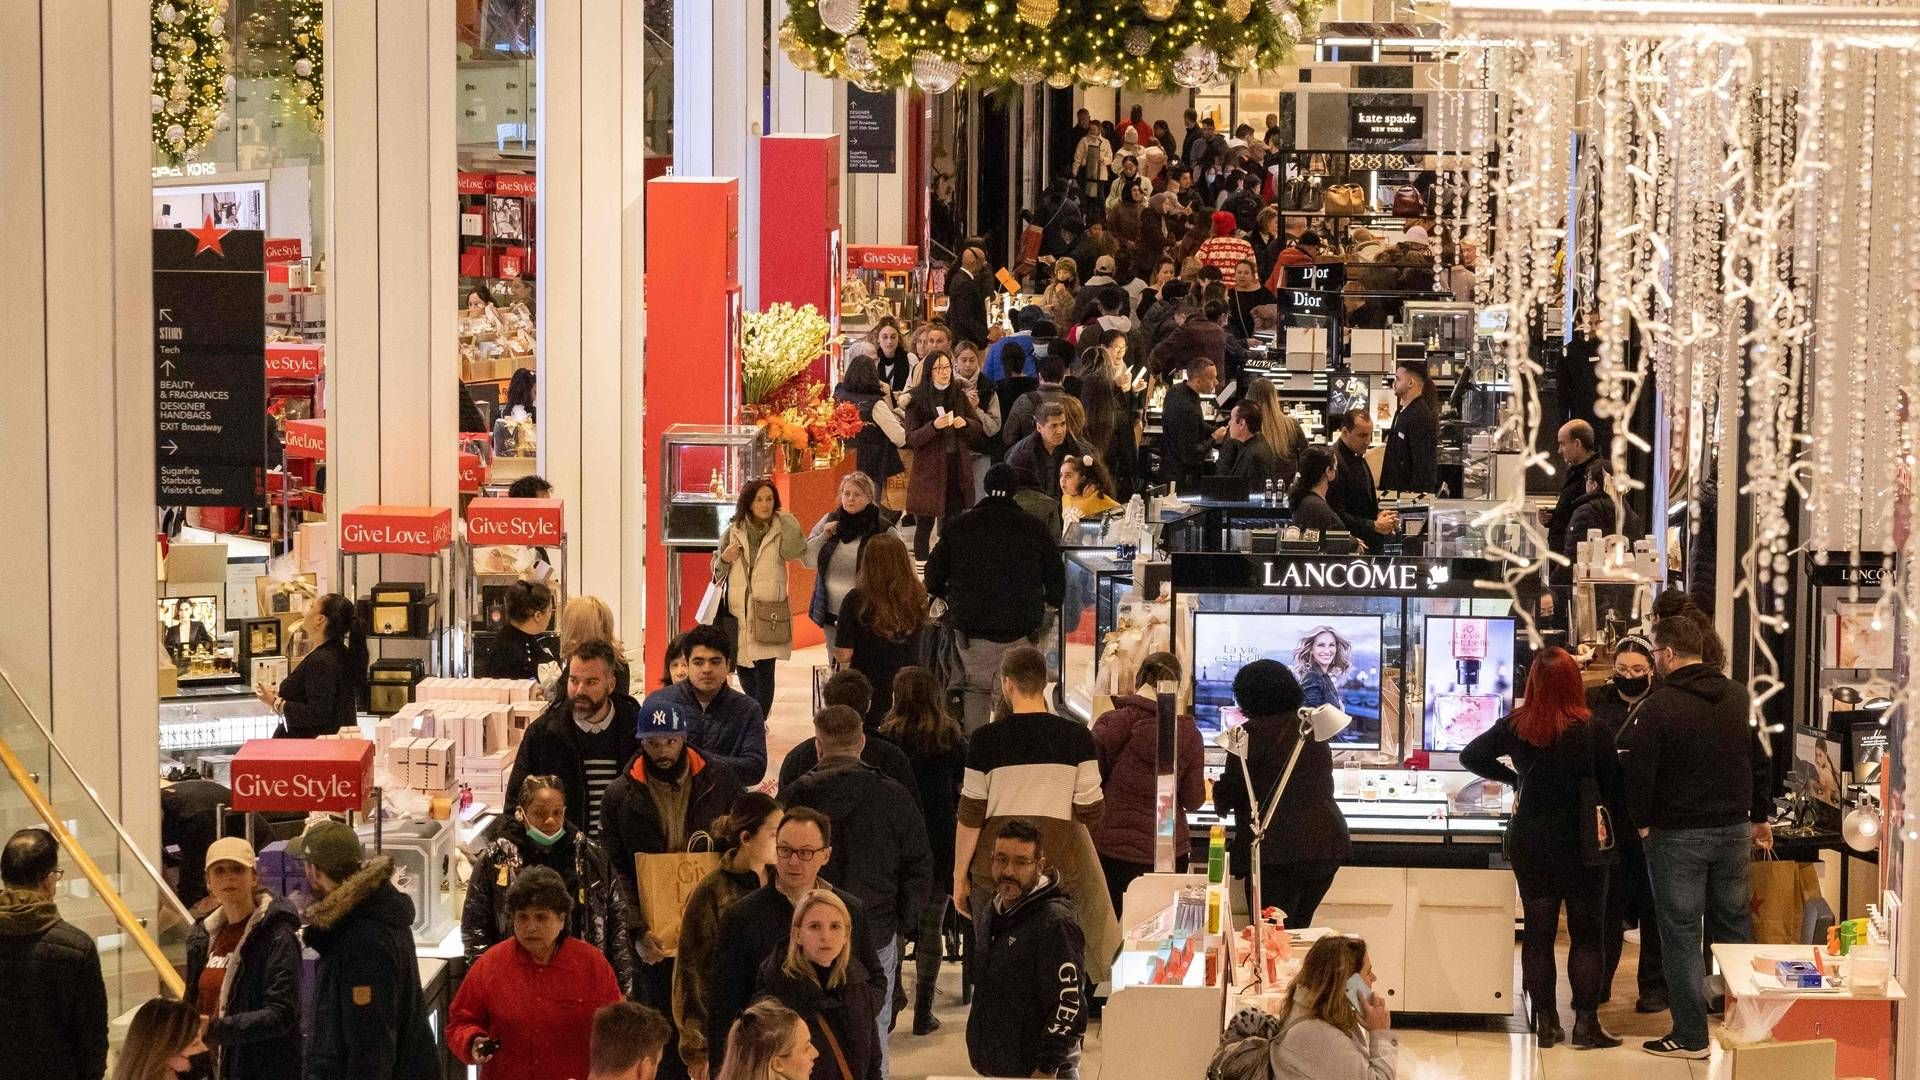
192 76
306 50
1144 45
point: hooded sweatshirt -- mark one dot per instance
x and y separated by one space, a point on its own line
52 995
1692 759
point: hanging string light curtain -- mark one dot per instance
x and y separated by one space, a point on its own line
1752 169
192 76
1145 45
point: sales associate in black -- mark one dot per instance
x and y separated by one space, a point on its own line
967 295
1186 436
524 643
1309 495
1576 447
321 695
1245 453
1352 494
1413 443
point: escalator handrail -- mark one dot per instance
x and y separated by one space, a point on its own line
95 877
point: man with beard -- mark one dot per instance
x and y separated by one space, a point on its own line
583 738
665 795
1029 1001
369 1016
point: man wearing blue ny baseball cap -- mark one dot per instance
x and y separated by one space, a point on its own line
668 794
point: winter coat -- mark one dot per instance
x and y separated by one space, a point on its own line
880 851
942 473
842 1016
369 1016
937 775
631 825
550 747
723 887
1594 510
759 574
319 696
1543 835
1308 826
1412 458
967 306
1093 157
1352 494
1030 989
1020 419
599 915
836 558
759 926
880 752
1185 437
998 569
873 453
1031 454
1198 336
53 995
255 1031
730 730
1127 740
542 1014
1253 459
1692 759
1573 488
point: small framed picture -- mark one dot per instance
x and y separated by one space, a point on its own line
261 637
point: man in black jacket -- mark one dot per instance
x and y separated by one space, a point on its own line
1699 788
1352 494
1030 995
1412 459
665 795
584 738
761 923
51 989
883 857
1576 446
1042 452
1185 435
1246 453
967 292
999 571
369 1016
852 689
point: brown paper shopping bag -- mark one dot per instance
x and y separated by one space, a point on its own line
664 882
1780 890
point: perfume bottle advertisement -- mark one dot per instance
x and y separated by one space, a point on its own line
1336 659
1469 678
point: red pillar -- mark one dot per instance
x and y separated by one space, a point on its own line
802 258
693 358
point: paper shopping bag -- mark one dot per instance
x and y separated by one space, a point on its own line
1780 889
664 883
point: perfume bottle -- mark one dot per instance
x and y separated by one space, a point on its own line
1464 711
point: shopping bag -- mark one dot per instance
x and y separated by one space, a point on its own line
1780 889
664 882
710 602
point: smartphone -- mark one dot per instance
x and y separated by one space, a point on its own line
487 1047
1358 992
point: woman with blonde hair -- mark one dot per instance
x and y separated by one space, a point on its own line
164 1035
769 1042
1335 1027
1321 658
1278 430
819 979
584 619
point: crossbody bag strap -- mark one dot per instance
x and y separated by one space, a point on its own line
839 1055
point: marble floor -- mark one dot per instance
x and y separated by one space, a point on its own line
1487 1050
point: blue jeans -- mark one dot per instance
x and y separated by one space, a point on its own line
1697 874
889 963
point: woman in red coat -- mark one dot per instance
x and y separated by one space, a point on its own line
525 1011
1126 740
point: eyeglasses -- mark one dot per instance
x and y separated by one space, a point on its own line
804 854
1020 863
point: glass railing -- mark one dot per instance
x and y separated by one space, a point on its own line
109 888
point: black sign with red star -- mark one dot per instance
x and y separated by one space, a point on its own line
209 354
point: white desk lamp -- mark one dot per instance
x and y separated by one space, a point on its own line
1320 723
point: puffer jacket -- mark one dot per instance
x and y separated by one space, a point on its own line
760 573
52 994
599 909
1126 740
256 1030
369 1016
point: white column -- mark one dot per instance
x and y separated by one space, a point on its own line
591 181
79 639
392 347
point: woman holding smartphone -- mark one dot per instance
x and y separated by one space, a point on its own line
1335 1026
945 432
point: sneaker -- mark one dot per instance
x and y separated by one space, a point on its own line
1668 1048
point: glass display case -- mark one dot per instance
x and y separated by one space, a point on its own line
706 466
1855 640
1454 531
1097 584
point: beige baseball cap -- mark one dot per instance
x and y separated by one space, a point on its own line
231 849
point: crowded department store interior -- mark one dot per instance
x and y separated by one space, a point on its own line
847 539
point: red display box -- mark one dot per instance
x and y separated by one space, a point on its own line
537 522
296 360
307 439
309 775
396 530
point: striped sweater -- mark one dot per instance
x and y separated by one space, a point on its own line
1034 765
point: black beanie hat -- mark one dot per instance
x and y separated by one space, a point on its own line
1266 688
1001 480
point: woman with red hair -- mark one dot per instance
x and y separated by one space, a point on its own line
1553 750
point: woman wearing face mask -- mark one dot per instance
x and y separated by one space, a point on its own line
817 977
164 1035
538 835
525 1010
320 696
753 559
945 432
769 1042
1629 897
745 864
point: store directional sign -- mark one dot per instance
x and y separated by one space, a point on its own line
209 351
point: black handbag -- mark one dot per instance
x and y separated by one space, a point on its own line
1599 843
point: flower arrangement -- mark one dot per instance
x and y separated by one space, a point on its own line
776 346
802 419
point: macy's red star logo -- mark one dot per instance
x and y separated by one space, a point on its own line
207 237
